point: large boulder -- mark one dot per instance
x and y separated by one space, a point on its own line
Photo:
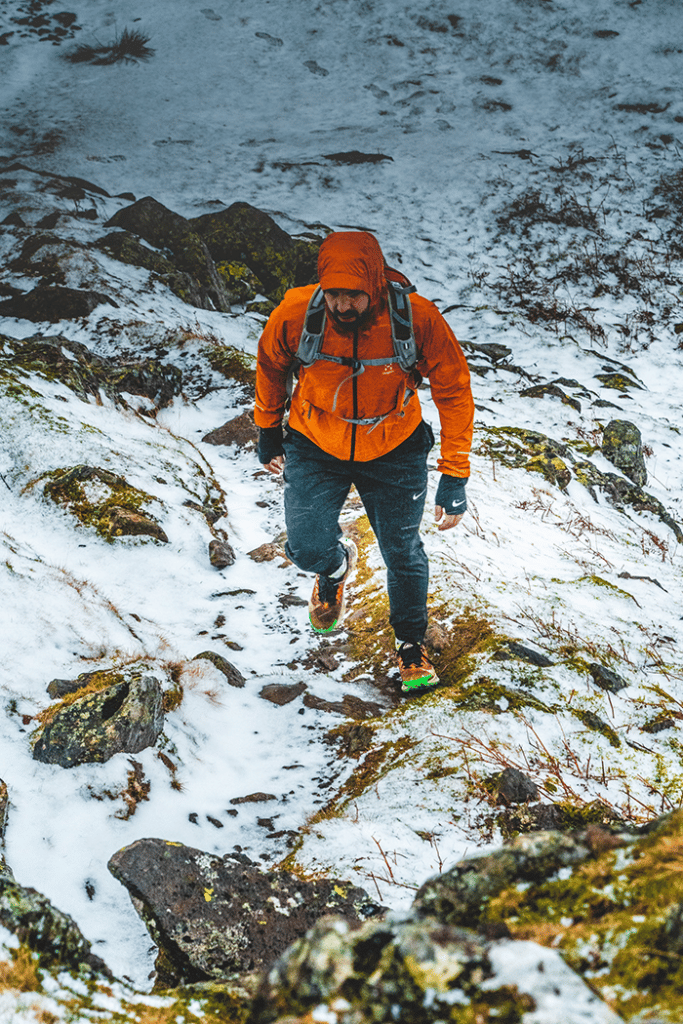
118 712
244 235
167 230
46 930
216 916
622 446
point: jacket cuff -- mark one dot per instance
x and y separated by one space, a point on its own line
450 494
269 443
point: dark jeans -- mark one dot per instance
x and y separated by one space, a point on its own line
393 490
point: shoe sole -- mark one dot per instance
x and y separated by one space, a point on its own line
424 683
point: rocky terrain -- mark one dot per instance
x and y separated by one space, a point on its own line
207 813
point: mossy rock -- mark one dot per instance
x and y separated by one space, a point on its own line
103 500
84 372
516 447
167 230
47 931
242 283
125 247
243 234
616 917
622 445
115 712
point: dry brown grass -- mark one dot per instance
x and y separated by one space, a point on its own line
20 974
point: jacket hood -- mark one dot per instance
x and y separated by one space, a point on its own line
352 261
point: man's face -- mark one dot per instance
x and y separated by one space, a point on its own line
347 307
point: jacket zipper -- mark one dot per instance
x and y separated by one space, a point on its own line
355 394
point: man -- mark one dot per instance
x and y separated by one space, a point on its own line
355 418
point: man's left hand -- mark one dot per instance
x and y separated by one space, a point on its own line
446 522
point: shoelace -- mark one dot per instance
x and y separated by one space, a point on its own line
410 654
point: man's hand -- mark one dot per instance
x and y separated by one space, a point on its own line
446 522
276 465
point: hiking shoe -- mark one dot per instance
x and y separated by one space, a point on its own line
417 671
328 602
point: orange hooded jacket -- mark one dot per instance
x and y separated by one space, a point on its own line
327 394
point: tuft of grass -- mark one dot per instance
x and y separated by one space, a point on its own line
130 47
20 974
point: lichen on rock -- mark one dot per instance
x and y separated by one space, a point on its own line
117 712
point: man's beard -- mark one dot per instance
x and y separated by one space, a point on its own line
349 321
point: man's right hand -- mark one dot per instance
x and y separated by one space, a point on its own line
276 465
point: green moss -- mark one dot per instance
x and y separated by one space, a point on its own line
485 694
232 363
596 724
615 920
97 498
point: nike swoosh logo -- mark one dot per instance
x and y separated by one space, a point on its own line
419 494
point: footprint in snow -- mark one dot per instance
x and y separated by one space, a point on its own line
315 68
209 13
273 40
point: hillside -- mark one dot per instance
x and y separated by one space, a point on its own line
521 163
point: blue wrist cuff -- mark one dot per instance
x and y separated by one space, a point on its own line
451 496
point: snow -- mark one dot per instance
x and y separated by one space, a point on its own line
243 101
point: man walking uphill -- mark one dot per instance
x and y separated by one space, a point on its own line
361 345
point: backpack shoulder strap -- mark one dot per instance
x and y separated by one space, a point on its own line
402 333
311 338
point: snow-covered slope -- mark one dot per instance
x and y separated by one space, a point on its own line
517 157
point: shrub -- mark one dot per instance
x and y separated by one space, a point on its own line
130 46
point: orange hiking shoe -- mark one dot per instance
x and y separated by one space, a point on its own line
328 601
417 671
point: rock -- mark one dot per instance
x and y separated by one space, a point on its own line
350 705
51 303
123 714
268 552
242 284
282 693
125 522
165 229
459 896
46 930
541 390
514 787
87 374
125 247
622 446
254 798
606 678
386 971
524 653
112 506
232 674
215 916
221 554
59 688
241 431
243 234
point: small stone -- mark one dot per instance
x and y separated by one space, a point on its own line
282 693
221 554
606 678
514 787
232 674
268 552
